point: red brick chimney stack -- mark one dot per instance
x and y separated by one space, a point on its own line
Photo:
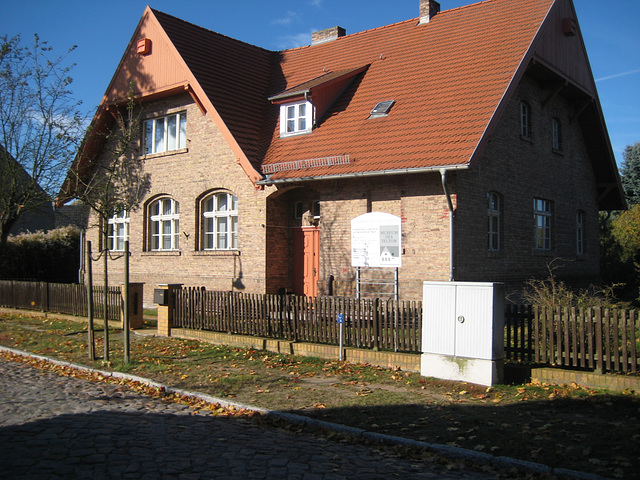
327 35
428 10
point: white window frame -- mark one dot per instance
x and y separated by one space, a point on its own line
164 225
556 128
165 134
220 222
118 231
542 224
580 232
296 118
525 120
494 221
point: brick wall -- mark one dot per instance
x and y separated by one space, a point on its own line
417 199
208 164
520 170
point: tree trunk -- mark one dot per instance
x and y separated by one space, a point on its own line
105 253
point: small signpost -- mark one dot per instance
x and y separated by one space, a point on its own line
341 325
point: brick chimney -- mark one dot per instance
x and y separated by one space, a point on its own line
428 10
327 35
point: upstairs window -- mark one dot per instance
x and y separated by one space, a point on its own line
296 118
542 219
494 217
525 120
220 222
118 231
165 134
164 224
556 128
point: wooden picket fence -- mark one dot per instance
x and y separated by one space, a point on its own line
65 298
367 323
601 339
605 340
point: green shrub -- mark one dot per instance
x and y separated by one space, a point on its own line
48 257
552 292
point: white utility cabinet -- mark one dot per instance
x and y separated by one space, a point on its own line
463 332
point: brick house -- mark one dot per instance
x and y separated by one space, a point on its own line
479 127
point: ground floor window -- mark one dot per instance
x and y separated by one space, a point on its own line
164 224
118 231
494 216
220 222
542 219
580 232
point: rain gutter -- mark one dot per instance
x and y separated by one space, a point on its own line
267 180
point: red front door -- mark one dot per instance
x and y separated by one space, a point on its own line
306 261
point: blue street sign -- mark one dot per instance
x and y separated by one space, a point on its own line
340 318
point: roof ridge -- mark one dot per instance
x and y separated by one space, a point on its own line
208 30
390 25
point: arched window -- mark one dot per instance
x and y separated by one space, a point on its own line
543 222
220 222
164 224
118 231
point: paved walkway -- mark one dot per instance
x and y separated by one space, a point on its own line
61 427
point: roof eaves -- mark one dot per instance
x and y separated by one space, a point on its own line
268 180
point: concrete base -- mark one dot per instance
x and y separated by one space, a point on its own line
472 370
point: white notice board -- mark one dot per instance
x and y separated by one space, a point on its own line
376 240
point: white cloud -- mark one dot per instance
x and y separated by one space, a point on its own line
316 3
294 41
286 20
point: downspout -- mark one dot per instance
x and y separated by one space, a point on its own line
443 175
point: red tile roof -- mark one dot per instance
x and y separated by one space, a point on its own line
447 78
234 75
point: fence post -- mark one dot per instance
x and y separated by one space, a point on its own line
136 313
165 309
44 297
376 324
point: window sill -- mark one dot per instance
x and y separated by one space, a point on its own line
165 154
558 152
162 253
498 254
216 253
526 139
295 134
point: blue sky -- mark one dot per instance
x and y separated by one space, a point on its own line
102 29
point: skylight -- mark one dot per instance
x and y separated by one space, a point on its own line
382 109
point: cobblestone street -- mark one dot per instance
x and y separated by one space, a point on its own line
62 427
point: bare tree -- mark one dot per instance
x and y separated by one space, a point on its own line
112 181
40 127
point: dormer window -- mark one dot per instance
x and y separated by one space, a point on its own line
297 114
296 118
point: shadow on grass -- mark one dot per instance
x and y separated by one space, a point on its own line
596 434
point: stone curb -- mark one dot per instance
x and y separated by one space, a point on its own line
456 453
